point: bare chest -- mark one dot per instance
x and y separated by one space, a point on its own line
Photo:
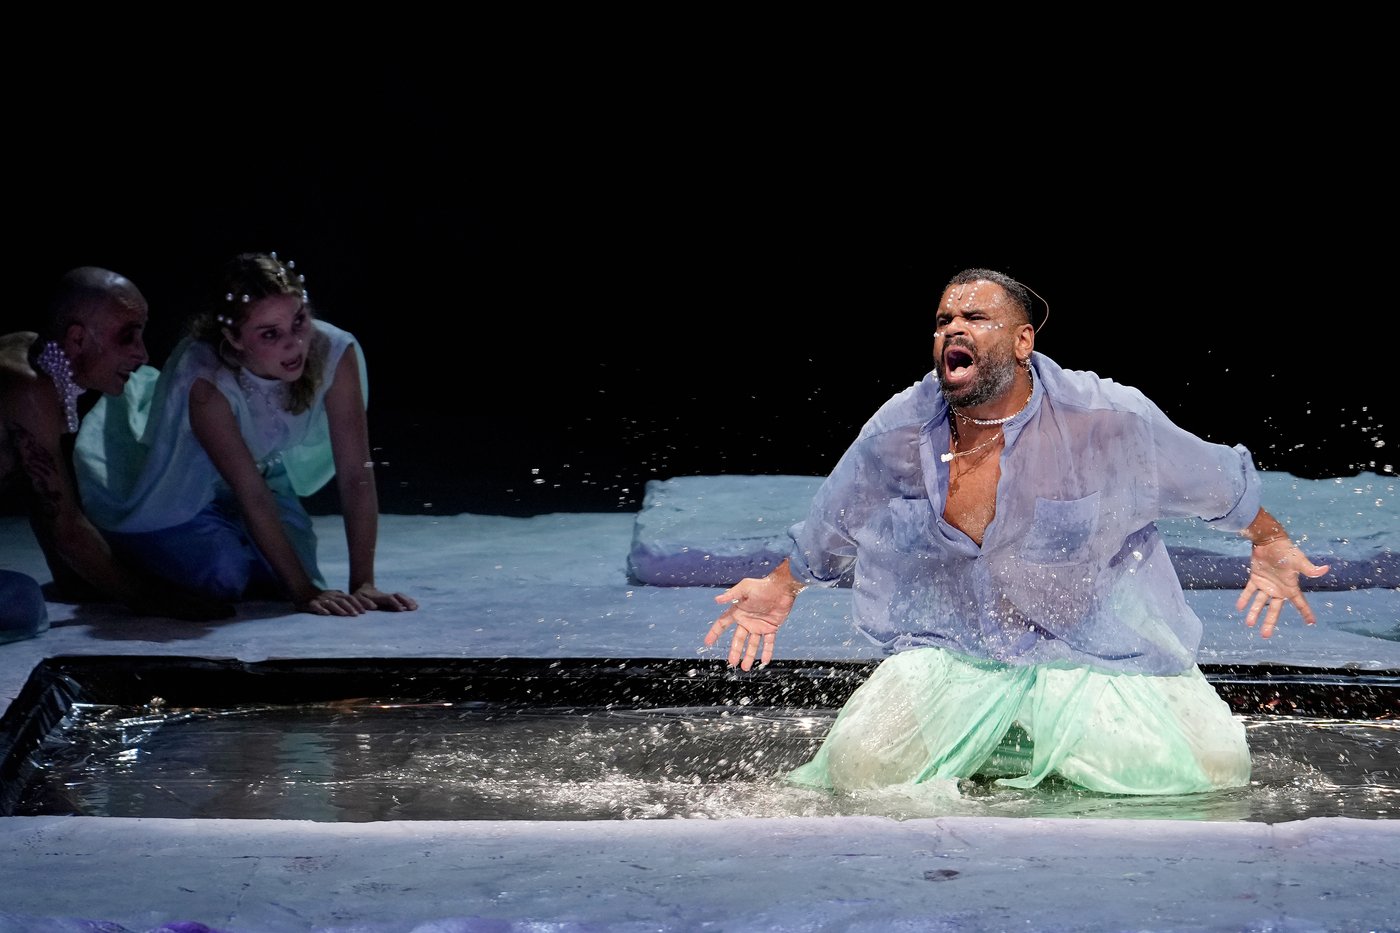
972 493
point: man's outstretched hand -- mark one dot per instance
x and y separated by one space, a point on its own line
757 607
1274 568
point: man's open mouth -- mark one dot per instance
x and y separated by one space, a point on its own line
957 360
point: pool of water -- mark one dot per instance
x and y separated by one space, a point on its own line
590 739
366 761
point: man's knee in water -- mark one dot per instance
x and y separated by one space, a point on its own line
876 751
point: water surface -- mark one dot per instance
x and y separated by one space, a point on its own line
363 761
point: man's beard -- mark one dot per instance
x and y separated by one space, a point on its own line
996 370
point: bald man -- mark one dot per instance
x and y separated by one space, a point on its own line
93 342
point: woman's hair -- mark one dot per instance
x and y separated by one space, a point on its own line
248 278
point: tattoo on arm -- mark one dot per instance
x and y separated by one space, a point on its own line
41 468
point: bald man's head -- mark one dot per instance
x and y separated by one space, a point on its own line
87 291
98 317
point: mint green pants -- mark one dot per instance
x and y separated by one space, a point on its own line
928 714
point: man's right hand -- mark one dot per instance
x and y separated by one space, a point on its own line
757 607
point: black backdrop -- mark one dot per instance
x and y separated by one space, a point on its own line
564 293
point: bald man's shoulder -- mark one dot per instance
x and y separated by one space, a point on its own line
14 354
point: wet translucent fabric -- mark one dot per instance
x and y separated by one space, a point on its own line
1072 568
928 715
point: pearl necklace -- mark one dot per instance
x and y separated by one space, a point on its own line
272 393
985 423
53 361
988 422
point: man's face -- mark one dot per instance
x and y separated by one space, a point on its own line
110 345
974 344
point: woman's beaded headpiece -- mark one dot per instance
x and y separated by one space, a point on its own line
284 278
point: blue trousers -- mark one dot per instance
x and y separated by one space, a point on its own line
213 553
23 611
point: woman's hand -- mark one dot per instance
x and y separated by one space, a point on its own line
334 603
388 602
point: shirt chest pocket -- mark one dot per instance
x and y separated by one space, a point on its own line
1061 530
911 524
